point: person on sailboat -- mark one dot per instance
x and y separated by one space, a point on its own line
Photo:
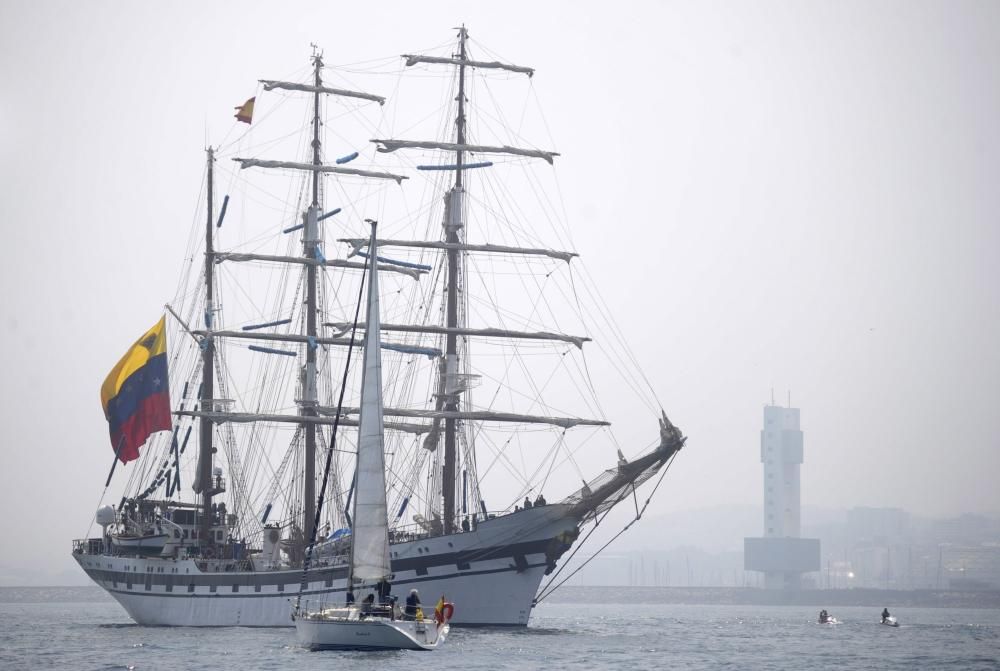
350 597
368 605
412 605
383 587
540 501
885 615
527 503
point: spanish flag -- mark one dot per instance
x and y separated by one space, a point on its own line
244 112
136 393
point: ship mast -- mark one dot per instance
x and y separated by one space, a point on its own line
312 257
206 449
310 240
450 383
453 225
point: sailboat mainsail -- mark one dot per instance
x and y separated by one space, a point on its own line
370 533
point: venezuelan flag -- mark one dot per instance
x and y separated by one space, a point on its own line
136 394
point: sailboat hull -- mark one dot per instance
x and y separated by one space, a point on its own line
492 574
320 634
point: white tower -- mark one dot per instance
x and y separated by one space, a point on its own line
781 555
781 454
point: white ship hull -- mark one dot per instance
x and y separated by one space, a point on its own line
491 575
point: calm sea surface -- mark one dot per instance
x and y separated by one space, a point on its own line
81 629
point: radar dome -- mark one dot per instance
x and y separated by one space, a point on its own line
105 516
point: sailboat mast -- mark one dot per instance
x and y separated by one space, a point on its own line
451 352
310 242
208 371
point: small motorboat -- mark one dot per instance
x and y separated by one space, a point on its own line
826 618
890 621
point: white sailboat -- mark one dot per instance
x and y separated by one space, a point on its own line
213 523
360 626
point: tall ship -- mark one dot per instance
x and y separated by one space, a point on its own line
233 421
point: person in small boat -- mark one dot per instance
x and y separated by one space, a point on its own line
412 605
885 615
824 617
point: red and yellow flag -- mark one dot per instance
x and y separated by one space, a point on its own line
244 112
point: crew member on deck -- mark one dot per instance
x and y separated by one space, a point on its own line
412 605
527 503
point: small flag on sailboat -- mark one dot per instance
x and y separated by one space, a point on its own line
244 112
136 394
443 611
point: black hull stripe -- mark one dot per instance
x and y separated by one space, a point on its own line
290 594
249 579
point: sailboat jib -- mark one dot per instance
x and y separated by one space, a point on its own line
271 84
393 145
316 167
413 59
462 331
358 243
370 542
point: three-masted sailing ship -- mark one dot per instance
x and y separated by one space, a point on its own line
216 535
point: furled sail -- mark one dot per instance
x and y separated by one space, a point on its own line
393 145
413 59
343 327
370 545
270 84
358 243
312 167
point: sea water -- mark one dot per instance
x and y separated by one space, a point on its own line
83 628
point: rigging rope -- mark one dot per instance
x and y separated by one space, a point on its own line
548 589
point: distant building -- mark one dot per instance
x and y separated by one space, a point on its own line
780 554
877 525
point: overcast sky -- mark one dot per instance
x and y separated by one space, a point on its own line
814 187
